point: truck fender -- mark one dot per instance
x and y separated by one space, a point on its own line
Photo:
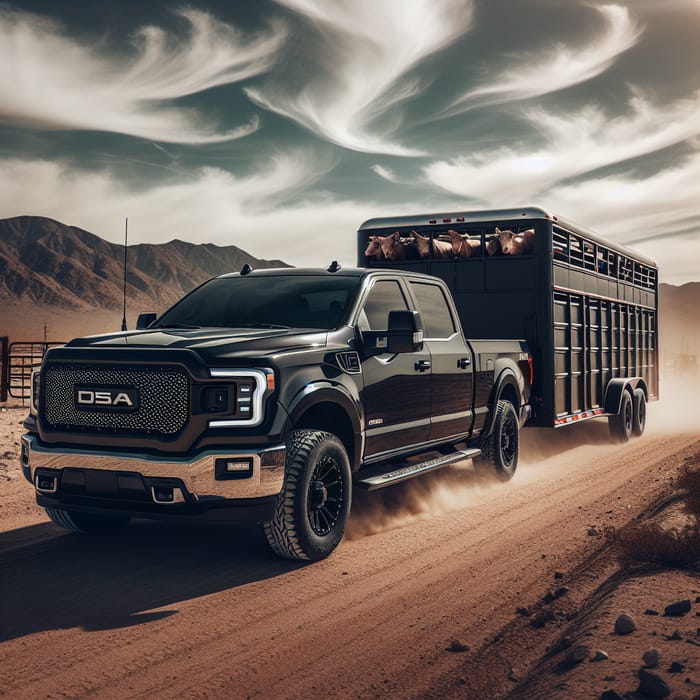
317 393
613 392
507 382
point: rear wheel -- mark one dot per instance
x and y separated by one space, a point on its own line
314 505
621 423
86 522
501 448
639 414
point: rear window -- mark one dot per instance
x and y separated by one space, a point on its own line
434 310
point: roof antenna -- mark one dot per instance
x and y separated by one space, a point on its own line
246 269
126 238
333 267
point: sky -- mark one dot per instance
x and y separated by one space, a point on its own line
280 126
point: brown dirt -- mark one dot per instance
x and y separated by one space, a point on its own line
173 611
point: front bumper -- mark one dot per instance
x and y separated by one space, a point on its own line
209 477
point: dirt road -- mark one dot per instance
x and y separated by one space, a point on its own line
175 612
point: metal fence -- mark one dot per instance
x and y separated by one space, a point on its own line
17 360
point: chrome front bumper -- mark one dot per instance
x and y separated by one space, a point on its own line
204 476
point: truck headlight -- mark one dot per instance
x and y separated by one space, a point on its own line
34 396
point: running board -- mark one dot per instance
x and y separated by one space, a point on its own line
374 478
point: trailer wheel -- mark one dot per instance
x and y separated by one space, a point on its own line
86 522
639 414
621 423
314 505
501 448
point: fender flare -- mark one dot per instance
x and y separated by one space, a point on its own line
316 393
615 389
507 377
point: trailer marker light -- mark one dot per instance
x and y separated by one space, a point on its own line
447 221
459 219
432 221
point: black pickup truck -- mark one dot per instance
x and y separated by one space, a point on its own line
268 395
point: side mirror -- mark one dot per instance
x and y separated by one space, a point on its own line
405 331
145 320
404 334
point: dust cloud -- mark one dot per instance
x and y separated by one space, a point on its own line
543 452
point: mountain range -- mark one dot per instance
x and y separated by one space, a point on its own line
45 262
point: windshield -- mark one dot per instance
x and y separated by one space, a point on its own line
280 301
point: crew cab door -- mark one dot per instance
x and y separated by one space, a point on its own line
452 368
396 394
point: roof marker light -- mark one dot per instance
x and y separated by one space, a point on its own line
459 219
432 221
447 221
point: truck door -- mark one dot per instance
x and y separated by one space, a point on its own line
396 394
452 370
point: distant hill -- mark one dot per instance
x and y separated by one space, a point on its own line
46 263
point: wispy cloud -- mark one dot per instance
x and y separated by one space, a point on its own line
384 172
570 145
360 68
557 68
50 80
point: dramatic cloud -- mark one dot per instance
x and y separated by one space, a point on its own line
560 67
49 80
360 69
571 144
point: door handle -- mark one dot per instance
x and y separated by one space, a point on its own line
463 362
422 366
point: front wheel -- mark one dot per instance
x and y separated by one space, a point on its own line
86 522
502 447
314 505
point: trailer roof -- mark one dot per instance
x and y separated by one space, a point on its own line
486 216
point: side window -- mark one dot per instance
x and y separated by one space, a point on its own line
437 319
385 296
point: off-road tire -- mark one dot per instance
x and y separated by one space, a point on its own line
86 522
639 414
621 423
314 505
500 450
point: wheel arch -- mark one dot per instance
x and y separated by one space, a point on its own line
329 409
506 387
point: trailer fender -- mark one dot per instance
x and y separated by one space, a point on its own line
613 392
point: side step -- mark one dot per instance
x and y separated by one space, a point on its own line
374 478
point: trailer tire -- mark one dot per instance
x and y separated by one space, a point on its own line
314 504
86 523
501 448
621 423
639 415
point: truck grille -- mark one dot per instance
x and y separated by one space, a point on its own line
162 408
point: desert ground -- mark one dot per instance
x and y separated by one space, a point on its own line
445 587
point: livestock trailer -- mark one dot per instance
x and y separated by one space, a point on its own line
587 307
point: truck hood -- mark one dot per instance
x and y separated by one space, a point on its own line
212 342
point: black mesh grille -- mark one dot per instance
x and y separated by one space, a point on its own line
163 399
